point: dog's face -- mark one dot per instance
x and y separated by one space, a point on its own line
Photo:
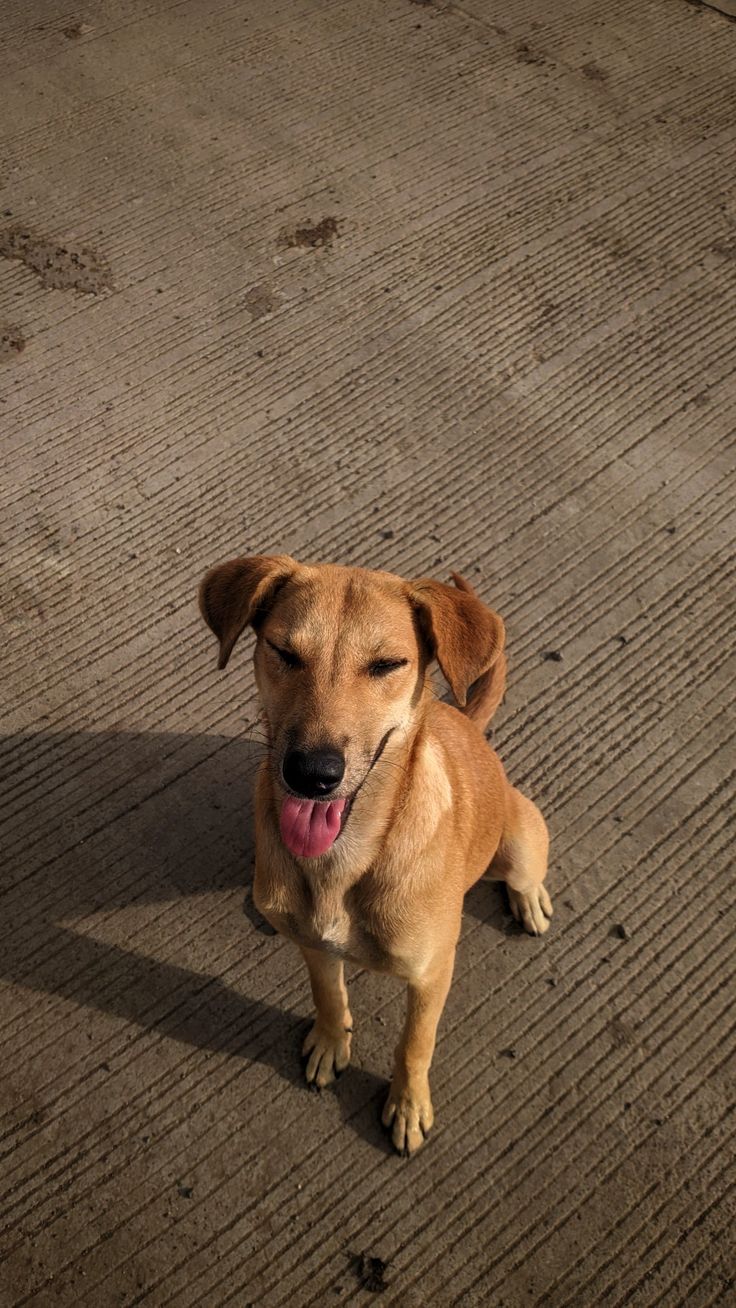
341 660
340 667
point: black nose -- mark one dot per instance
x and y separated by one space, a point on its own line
313 773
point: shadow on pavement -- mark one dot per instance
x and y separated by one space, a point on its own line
93 822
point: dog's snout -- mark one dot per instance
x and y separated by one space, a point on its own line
313 773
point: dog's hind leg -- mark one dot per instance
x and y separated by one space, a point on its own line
521 862
327 1047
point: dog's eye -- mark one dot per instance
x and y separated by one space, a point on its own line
287 656
382 667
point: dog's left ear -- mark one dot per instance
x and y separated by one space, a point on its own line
463 634
240 591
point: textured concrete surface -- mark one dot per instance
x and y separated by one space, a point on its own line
420 286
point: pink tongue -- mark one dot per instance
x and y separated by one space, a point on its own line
308 827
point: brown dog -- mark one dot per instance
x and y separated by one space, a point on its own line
377 806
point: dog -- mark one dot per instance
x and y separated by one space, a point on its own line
378 805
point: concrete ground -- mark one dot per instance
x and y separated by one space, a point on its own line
421 286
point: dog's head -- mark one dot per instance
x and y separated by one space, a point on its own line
341 665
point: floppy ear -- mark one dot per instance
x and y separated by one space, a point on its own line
238 592
465 636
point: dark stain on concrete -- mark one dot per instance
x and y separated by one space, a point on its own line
311 236
12 342
369 1272
594 72
260 300
59 267
75 31
525 54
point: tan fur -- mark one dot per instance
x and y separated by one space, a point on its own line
427 818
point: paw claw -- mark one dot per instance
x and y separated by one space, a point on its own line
532 908
409 1116
327 1054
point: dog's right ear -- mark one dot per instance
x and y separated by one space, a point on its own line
238 592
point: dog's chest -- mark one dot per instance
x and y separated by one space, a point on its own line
340 922
328 919
325 913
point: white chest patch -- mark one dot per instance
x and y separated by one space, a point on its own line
330 922
333 932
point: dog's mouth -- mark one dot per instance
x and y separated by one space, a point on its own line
310 827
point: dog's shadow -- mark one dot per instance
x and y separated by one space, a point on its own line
94 822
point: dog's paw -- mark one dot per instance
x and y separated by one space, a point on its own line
533 908
408 1112
327 1053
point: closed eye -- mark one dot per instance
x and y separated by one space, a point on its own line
382 667
287 656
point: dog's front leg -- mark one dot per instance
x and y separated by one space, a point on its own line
408 1109
327 1047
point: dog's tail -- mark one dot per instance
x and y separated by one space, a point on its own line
486 693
